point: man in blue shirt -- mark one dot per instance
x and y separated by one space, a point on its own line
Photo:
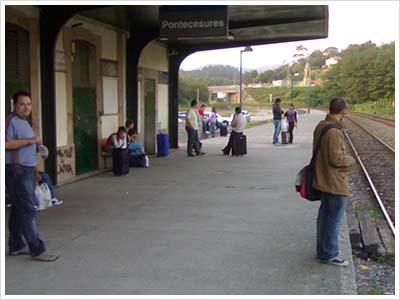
21 155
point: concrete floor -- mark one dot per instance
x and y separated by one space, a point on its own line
205 225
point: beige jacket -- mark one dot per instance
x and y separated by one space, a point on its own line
332 163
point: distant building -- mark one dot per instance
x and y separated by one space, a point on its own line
255 85
221 95
331 61
277 82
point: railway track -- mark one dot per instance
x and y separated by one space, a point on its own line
379 119
376 159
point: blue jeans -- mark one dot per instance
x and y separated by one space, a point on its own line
329 219
21 183
213 126
45 178
277 125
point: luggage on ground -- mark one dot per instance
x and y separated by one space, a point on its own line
223 130
138 161
120 161
239 146
284 137
162 144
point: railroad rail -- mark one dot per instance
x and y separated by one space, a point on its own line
383 120
390 148
370 178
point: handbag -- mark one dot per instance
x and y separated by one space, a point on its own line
284 125
304 178
43 196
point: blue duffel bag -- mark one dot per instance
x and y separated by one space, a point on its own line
137 161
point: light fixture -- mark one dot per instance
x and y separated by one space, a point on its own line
246 49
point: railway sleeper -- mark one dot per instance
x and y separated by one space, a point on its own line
372 244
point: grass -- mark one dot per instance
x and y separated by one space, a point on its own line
376 290
373 108
385 260
372 211
255 124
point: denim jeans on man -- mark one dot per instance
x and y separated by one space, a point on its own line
277 125
193 141
21 183
329 219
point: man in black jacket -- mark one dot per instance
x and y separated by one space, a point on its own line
277 112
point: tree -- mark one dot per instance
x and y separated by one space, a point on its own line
364 73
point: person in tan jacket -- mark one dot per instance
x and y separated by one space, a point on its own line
331 167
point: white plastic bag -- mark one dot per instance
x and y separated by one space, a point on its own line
43 196
284 125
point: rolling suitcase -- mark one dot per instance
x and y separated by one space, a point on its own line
120 161
162 144
239 145
284 136
223 130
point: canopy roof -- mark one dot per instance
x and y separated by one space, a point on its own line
248 24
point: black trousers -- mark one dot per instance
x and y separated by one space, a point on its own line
291 127
228 147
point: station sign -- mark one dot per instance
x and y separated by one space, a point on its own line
202 21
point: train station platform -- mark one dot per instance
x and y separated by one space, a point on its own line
209 225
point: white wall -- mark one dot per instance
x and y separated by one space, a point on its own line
154 57
162 107
110 95
109 125
61 109
108 35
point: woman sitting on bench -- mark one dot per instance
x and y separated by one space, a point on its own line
138 157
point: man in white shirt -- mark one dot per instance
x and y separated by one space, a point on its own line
193 123
238 125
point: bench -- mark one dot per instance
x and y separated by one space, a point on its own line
107 157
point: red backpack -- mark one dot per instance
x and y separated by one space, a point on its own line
304 178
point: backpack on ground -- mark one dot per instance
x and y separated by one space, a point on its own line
304 178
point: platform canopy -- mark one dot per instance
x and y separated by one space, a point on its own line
247 24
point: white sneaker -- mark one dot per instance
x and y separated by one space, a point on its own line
55 201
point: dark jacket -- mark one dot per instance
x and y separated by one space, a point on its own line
277 111
332 163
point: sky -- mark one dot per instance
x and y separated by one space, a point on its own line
350 22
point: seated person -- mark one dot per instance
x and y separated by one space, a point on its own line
43 177
116 140
128 126
138 157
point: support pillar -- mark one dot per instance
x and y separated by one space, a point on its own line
173 95
134 46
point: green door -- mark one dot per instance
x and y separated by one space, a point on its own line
84 106
17 63
149 115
